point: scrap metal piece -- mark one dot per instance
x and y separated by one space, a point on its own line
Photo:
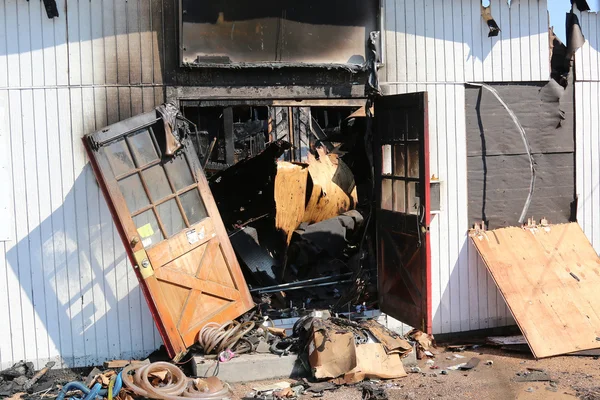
486 14
51 9
169 114
582 5
472 363
575 38
260 263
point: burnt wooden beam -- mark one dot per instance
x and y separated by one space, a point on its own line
229 140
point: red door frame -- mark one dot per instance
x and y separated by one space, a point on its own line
399 102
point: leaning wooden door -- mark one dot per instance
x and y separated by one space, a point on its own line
171 228
402 180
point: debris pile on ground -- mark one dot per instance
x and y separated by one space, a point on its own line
349 352
20 377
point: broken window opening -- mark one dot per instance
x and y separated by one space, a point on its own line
269 32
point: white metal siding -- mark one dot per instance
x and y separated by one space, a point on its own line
587 127
437 46
67 292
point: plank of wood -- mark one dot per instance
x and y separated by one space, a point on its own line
534 268
290 197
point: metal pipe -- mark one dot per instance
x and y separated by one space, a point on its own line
306 286
292 284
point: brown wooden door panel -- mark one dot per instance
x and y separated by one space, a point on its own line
401 157
179 245
171 228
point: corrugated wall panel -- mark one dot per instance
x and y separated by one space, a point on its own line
587 126
66 284
67 289
439 51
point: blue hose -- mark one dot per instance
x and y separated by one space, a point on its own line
72 386
118 384
94 392
90 394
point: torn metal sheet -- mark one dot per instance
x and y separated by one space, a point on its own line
532 268
486 14
582 5
575 38
259 262
169 114
560 64
51 9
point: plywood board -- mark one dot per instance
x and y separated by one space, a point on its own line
550 278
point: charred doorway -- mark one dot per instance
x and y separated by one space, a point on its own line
292 183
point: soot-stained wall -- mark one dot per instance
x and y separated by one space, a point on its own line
497 162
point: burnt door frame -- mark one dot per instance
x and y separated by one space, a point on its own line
391 133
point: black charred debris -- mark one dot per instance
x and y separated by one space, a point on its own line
326 262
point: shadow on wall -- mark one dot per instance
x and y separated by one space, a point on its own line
74 272
471 300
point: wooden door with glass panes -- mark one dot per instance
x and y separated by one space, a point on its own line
401 155
171 228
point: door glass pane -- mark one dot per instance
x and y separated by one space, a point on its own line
118 157
134 193
157 182
193 206
413 160
413 198
170 217
386 159
399 160
147 228
400 196
386 194
179 172
142 147
413 124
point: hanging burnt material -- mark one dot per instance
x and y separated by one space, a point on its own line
560 64
51 9
171 117
575 38
486 13
582 5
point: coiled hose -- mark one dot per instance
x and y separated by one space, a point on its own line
178 386
215 337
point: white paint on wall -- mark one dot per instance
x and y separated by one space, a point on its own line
587 127
67 291
436 47
6 219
